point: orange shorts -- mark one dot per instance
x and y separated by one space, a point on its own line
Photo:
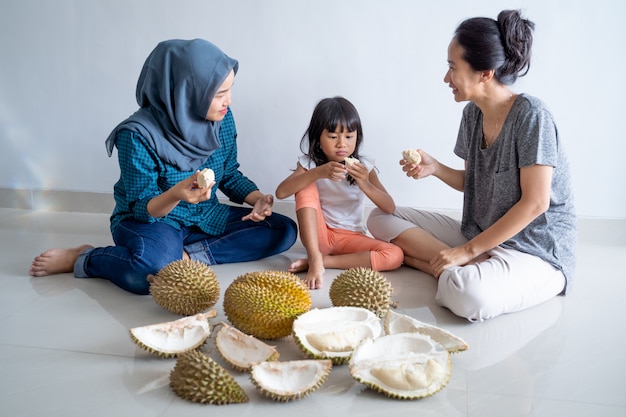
383 256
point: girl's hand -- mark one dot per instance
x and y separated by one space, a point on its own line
262 209
424 169
359 173
334 171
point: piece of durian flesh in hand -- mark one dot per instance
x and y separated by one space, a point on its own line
412 156
205 178
350 161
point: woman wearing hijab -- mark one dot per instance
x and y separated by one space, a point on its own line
183 126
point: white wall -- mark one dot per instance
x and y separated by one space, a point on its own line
69 67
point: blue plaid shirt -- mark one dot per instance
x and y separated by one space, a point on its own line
143 176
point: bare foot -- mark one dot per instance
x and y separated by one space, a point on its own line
55 261
299 265
418 264
314 277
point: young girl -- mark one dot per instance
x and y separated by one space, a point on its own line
330 192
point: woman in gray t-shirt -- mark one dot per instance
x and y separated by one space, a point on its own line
515 246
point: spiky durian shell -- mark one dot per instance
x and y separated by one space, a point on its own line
185 287
333 332
172 338
264 304
196 377
290 380
362 287
241 350
401 323
405 366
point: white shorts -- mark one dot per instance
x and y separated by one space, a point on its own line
507 282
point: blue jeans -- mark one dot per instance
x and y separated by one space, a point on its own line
144 248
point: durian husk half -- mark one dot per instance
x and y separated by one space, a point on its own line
362 287
185 287
197 377
333 332
401 323
240 350
290 380
264 304
170 339
404 366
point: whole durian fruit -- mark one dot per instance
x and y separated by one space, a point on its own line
362 287
196 377
264 304
185 287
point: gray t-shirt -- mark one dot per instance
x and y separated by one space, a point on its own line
492 181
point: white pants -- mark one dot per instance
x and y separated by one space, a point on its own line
507 282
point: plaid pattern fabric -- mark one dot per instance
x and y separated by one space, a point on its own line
143 176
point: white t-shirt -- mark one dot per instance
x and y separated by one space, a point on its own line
342 203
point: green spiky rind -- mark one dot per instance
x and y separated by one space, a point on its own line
164 355
336 360
398 396
295 396
185 287
198 378
273 357
362 287
264 304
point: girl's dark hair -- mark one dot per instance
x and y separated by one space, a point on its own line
503 45
329 114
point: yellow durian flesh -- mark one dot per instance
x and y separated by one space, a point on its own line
400 323
402 365
344 339
172 338
408 376
241 350
285 381
334 332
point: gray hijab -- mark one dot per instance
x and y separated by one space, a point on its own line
176 86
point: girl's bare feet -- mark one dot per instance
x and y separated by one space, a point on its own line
314 276
299 265
55 261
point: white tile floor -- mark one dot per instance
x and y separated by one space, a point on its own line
65 349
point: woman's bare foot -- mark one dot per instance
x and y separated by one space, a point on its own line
55 261
418 264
